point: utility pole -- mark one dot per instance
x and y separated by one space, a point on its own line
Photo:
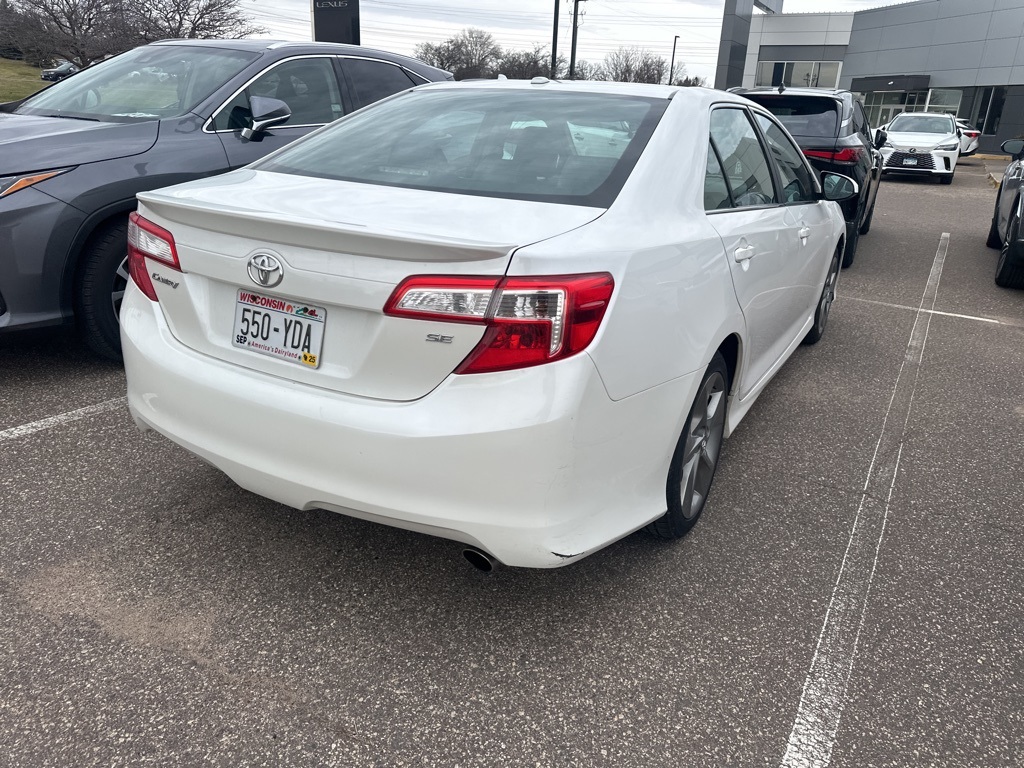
575 28
554 45
672 66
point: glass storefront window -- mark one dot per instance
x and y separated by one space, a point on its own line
816 74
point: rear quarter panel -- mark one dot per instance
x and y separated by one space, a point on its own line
673 302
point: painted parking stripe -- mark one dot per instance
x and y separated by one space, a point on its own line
64 418
976 318
825 689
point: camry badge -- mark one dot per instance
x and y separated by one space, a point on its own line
265 270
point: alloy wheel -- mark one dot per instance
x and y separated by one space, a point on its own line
703 445
120 285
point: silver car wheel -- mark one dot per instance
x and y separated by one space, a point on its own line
120 285
703 445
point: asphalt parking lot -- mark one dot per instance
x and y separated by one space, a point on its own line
852 597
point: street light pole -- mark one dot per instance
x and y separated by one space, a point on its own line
672 66
575 27
554 45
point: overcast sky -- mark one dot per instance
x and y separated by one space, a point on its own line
399 25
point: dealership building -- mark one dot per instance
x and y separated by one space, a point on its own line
960 56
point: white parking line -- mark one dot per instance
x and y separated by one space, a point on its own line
932 311
63 418
825 689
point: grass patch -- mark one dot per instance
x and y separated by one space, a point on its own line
18 80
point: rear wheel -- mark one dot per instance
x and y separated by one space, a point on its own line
828 295
100 288
1010 267
852 239
994 240
865 226
696 455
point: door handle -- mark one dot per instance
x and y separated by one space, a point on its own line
744 253
804 233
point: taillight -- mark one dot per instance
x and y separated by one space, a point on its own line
147 240
530 320
844 155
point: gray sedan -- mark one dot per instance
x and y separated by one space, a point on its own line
1005 231
73 156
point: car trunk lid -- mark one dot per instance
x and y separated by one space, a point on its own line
342 248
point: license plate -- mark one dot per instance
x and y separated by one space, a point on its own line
281 328
910 161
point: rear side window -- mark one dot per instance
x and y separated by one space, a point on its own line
716 191
743 160
374 80
802 115
505 143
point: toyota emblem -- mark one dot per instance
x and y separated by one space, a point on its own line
265 270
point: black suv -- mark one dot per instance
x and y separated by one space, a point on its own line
74 155
832 129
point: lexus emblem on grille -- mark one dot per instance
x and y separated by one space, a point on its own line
913 150
265 270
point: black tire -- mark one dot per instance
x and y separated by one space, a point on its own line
946 178
828 295
696 455
994 240
101 282
852 239
865 226
1010 267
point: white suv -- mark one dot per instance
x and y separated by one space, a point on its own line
922 143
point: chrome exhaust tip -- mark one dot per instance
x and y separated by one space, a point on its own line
479 559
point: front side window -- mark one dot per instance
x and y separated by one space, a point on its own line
148 83
477 141
308 86
794 177
743 160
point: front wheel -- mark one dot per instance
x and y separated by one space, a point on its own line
696 455
101 285
828 295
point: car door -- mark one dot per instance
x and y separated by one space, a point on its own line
1009 191
307 84
772 234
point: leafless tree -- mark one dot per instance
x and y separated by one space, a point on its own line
159 19
630 64
471 53
81 31
588 70
523 65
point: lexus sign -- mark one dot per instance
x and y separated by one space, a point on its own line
336 21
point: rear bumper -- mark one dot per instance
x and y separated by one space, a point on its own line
537 467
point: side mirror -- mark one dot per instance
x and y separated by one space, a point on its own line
880 138
1013 147
266 112
837 187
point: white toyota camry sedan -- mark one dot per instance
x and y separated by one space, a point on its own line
448 312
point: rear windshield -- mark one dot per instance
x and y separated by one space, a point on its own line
921 124
574 148
803 116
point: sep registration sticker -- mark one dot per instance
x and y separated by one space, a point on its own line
281 328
